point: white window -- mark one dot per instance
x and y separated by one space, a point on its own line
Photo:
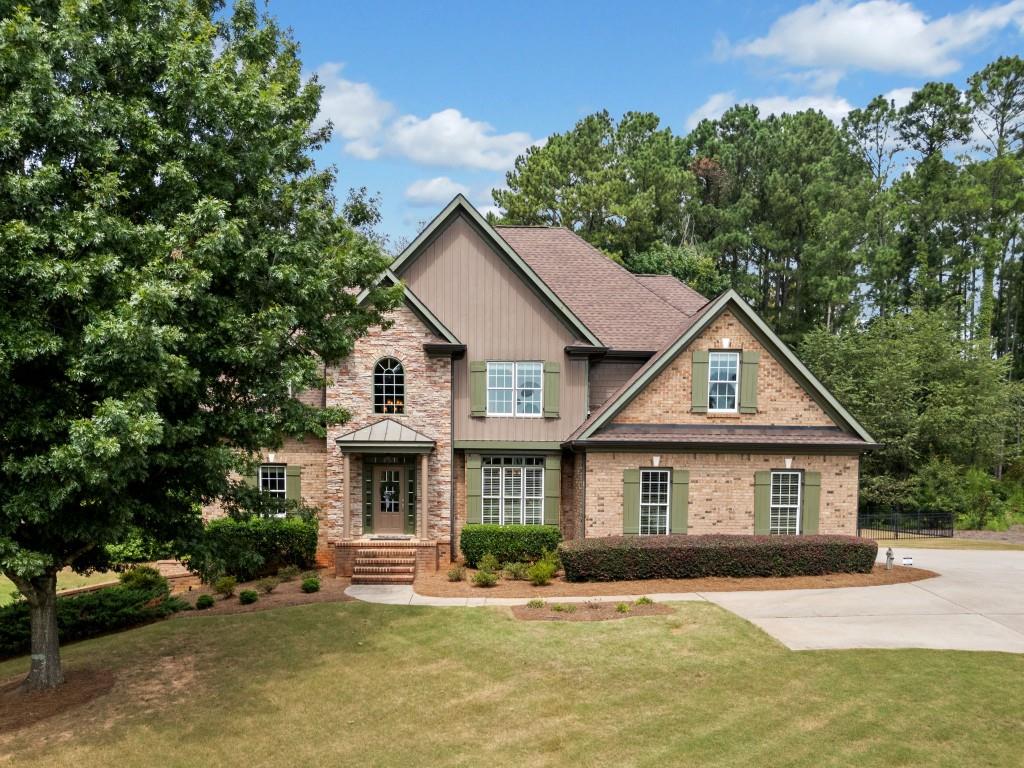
654 501
723 375
512 491
785 503
272 480
515 389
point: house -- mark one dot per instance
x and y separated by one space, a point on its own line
527 378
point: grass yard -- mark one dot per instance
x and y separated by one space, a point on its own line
369 685
954 543
66 579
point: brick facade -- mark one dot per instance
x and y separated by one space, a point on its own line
721 498
780 399
427 410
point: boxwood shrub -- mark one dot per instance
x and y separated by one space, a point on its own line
508 543
254 547
91 613
618 558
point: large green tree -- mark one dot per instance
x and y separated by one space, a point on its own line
173 266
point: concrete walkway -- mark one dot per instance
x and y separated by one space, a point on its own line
977 604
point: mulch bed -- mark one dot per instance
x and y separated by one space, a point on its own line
332 590
437 584
18 709
589 611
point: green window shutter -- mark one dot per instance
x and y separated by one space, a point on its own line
367 498
811 503
762 502
473 488
552 488
252 481
478 388
748 381
631 501
680 501
699 381
293 482
552 375
410 500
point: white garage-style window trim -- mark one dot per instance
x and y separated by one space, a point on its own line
784 510
723 382
515 389
654 501
512 490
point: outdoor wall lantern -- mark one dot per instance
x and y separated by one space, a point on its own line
789 462
889 557
656 461
271 457
725 343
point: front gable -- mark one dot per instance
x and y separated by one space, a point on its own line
781 400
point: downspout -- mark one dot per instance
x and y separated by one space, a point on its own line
451 461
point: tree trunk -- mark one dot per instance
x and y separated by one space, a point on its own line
46 671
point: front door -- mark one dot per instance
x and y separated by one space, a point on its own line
388 499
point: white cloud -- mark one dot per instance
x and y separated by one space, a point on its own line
436 191
879 35
899 96
834 107
355 109
450 138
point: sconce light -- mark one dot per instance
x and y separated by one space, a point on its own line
726 343
789 462
656 461
271 457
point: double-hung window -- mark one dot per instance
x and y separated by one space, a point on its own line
723 379
272 480
512 491
515 389
785 504
654 501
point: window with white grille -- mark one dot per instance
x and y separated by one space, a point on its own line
272 480
512 490
654 501
723 377
785 503
515 389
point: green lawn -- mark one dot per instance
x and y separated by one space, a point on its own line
358 684
66 579
947 544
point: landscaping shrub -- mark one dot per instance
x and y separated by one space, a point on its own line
248 596
204 601
618 558
541 573
623 607
485 578
288 573
311 584
145 577
535 603
225 586
508 543
516 571
253 547
90 614
267 585
644 601
489 563
457 572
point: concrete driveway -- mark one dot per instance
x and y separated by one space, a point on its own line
977 604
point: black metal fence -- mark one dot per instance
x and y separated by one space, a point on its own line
903 524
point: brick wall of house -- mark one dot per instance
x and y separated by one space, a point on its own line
780 399
568 518
427 410
721 498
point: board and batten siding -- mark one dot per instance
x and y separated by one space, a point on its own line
498 316
607 376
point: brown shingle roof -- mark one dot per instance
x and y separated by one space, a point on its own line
610 300
722 434
674 291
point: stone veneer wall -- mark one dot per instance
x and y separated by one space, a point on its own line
427 410
780 399
721 489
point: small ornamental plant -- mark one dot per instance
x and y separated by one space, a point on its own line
644 601
203 602
540 573
485 578
225 586
457 572
288 573
535 603
311 584
248 596
267 585
516 571
623 607
564 608
489 563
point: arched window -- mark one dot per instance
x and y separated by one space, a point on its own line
388 386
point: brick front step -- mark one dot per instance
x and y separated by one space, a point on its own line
385 553
395 569
377 578
385 561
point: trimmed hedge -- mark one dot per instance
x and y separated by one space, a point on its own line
619 558
258 546
508 543
90 614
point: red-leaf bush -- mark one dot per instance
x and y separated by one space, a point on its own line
619 558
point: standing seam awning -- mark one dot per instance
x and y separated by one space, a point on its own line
386 436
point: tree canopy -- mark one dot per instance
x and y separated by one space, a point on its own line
174 267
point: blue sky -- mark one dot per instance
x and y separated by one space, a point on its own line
429 99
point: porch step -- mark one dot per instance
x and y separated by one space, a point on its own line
384 563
